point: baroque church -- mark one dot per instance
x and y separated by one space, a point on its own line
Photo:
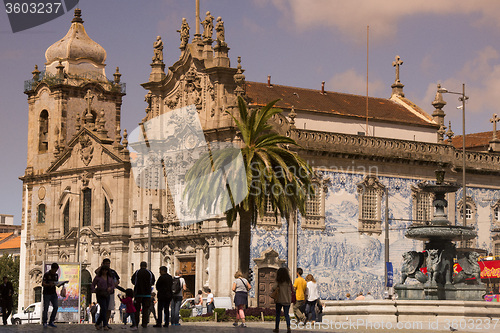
83 202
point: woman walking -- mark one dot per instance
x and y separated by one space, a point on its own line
284 297
241 288
312 298
103 285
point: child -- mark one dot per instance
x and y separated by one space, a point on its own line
130 311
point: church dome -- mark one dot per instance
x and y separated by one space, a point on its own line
76 45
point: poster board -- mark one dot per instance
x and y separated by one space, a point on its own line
69 309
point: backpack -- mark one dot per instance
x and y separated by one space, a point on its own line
93 310
176 285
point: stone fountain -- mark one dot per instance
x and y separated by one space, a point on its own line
439 255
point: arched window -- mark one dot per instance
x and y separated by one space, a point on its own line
107 217
87 207
38 294
41 213
66 218
370 192
43 134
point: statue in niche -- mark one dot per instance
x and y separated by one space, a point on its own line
208 26
470 268
220 32
86 149
158 50
184 31
412 262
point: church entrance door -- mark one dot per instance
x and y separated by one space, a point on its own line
267 276
188 269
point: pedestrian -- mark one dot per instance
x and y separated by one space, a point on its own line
198 303
103 286
300 286
312 298
164 293
210 301
130 310
6 293
369 297
49 282
143 279
348 297
240 288
152 306
284 286
178 286
93 312
98 312
116 279
87 312
360 297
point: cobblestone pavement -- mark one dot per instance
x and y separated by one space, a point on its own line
212 327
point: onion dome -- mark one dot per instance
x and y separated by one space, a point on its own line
76 45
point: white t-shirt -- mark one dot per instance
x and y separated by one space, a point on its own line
312 291
210 298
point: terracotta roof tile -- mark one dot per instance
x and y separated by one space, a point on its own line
4 235
13 243
473 140
337 103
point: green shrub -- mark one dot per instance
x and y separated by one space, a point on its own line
185 313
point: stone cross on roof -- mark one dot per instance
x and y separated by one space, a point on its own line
398 62
494 120
89 98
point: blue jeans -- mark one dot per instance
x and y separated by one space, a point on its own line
132 318
103 303
311 308
163 311
48 299
176 307
286 310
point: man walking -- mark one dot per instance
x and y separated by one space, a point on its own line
116 279
6 292
164 289
49 283
143 279
300 286
178 286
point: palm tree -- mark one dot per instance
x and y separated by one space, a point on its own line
274 175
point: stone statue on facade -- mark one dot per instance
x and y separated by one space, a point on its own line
158 50
470 268
184 31
208 26
412 262
220 32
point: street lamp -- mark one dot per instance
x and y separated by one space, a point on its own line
79 224
462 98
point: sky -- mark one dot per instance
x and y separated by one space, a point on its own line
298 42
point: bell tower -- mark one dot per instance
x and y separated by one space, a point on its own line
71 92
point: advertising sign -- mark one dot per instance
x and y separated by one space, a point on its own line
390 274
68 305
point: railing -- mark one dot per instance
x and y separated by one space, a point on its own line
394 149
53 79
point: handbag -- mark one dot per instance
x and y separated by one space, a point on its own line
63 292
275 294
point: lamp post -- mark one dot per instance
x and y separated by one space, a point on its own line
79 224
462 98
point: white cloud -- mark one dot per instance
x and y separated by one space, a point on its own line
352 17
352 82
481 76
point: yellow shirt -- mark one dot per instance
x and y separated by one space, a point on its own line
300 286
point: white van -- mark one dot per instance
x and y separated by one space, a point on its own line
31 315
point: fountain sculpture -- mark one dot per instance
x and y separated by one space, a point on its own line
439 255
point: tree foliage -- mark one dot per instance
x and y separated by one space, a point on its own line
9 267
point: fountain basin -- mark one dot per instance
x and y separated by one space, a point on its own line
441 232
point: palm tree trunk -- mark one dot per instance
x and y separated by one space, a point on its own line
244 243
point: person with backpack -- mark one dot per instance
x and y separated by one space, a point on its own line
93 312
282 288
178 286
143 279
164 293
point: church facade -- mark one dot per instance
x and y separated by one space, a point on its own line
83 202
